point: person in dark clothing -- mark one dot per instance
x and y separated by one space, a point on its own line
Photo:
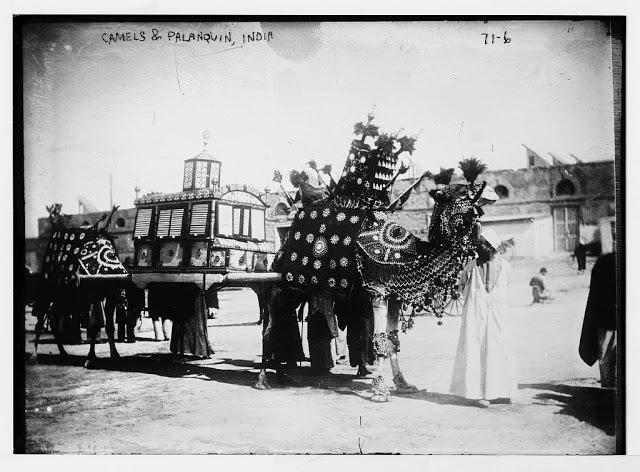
189 335
135 306
322 329
580 253
282 342
598 338
356 315
121 308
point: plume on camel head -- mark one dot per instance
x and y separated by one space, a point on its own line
444 176
471 168
326 169
297 178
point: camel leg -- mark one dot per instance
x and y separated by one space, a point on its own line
267 329
379 388
56 316
93 330
108 308
402 386
40 315
91 358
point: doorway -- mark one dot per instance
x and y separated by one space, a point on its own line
566 228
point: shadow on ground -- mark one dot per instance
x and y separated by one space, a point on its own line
592 405
595 406
244 373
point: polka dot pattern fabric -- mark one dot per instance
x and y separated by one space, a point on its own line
319 252
73 251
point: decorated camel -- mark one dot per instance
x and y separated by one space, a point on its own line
346 242
74 254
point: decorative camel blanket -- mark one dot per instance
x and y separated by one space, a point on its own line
392 261
319 252
77 250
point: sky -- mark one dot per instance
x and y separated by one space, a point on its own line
134 110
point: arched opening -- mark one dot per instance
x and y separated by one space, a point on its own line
282 209
502 191
565 187
120 223
85 223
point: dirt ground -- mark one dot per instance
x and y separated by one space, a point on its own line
148 403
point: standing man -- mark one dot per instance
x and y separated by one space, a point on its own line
598 340
580 253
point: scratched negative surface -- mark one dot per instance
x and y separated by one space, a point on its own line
113 109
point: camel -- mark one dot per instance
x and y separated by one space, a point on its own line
348 240
71 254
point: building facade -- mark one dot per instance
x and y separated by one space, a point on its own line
544 208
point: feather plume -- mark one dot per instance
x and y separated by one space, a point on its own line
313 165
471 168
407 144
444 176
297 178
277 176
326 169
385 143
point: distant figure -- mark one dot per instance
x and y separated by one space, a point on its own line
307 193
580 253
598 339
539 290
484 368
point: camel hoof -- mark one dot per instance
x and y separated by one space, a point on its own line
381 398
262 385
90 363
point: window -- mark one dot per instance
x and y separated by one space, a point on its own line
257 224
143 223
170 223
199 214
175 229
120 223
188 175
201 175
565 187
225 220
502 191
241 221
532 161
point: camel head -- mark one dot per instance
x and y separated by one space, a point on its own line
458 206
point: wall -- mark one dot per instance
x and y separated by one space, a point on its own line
531 192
